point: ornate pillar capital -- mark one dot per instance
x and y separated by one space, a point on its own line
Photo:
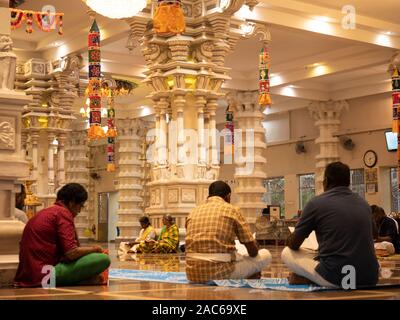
394 62
327 110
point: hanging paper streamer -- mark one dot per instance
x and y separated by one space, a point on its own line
229 144
94 89
46 21
169 17
396 98
111 134
264 96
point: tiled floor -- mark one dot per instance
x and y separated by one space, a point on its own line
140 290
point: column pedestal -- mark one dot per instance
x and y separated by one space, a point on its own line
12 167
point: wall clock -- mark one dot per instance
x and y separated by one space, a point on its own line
370 158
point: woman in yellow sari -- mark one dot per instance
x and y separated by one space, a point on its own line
147 234
168 240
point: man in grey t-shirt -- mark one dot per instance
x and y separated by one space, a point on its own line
343 226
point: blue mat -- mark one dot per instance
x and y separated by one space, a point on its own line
280 284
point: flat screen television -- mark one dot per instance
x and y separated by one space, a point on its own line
391 141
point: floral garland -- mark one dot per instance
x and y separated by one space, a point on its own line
46 21
169 17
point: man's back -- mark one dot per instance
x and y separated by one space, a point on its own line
343 225
46 238
212 228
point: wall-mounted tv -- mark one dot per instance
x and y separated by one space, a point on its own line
391 140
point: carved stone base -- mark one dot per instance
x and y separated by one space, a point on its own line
10 236
177 199
8 269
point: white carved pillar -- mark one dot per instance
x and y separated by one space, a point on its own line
12 163
130 177
180 104
34 135
61 159
200 104
327 119
212 127
77 171
50 164
250 154
162 147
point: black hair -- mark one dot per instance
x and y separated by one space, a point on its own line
337 174
144 219
219 189
374 208
72 192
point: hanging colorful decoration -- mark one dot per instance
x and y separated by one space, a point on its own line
111 133
396 98
229 144
95 130
169 17
264 84
46 21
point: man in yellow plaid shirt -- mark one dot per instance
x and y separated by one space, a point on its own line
211 230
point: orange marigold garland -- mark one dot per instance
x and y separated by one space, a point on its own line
169 17
17 17
46 21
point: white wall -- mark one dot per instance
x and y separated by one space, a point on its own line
365 123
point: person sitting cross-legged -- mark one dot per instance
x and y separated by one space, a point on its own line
167 242
147 234
385 230
211 230
343 225
50 240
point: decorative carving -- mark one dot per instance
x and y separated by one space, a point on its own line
394 62
229 7
7 133
188 195
197 10
173 196
72 62
204 52
252 3
8 63
259 30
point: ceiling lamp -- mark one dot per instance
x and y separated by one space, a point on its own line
117 9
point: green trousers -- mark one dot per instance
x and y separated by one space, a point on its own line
68 274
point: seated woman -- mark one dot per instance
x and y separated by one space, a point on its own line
385 229
167 242
147 234
49 241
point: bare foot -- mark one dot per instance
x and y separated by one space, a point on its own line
295 279
255 276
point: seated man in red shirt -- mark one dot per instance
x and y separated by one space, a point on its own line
50 240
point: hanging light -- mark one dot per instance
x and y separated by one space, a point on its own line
117 9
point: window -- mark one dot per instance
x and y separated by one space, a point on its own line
394 190
357 183
275 193
306 188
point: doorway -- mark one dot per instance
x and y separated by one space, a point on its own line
108 216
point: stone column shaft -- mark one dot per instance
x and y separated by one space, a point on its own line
327 119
